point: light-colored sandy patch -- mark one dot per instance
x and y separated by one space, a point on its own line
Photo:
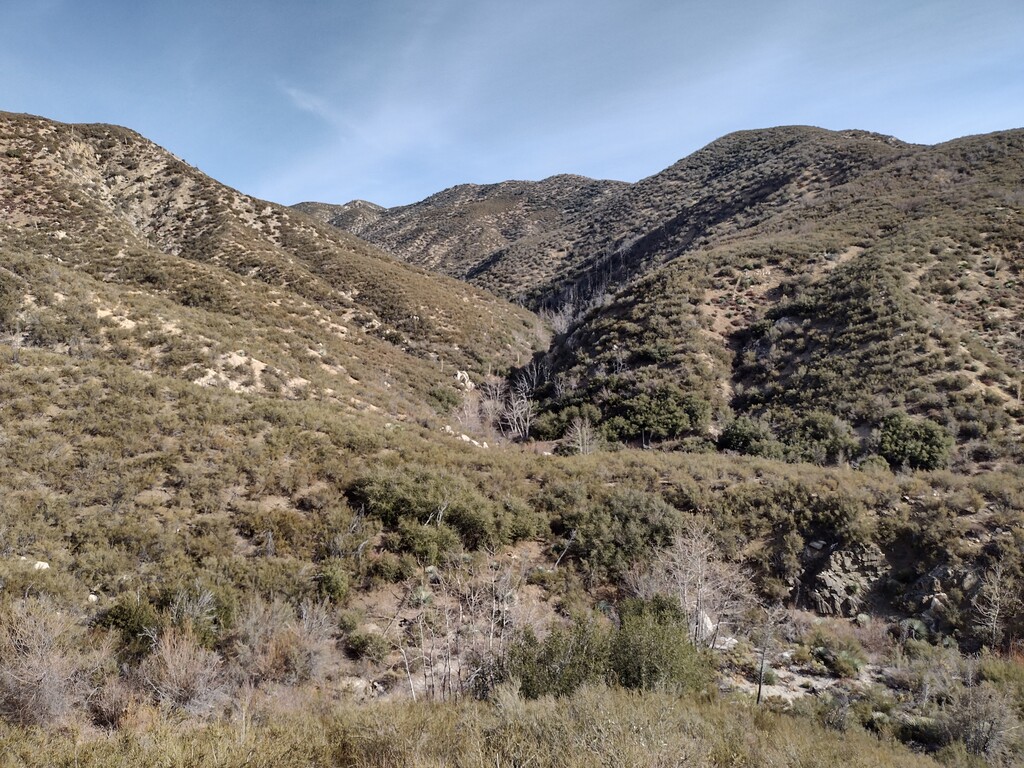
214 378
119 320
362 405
271 503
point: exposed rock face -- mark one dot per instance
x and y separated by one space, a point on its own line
946 589
846 579
842 582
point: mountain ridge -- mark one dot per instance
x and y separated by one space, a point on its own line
741 229
452 230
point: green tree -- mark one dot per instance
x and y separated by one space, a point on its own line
563 661
665 413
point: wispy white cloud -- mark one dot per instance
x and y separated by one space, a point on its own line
310 103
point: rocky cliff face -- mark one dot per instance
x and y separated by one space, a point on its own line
843 582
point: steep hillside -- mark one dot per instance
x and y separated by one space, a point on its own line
114 249
808 281
849 279
728 190
457 231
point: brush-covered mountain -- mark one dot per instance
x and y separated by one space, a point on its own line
114 250
791 291
458 230
232 504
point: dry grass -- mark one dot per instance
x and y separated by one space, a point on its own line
598 725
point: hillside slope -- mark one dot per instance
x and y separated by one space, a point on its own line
231 511
117 249
457 231
789 275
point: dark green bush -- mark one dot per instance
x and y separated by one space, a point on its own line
563 661
747 436
333 581
429 497
444 399
651 650
820 438
664 413
429 544
389 568
613 530
913 443
371 646
137 621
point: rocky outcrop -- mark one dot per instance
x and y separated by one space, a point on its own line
942 594
846 579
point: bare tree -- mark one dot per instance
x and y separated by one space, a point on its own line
518 413
183 674
461 627
564 383
713 593
581 437
493 394
39 678
469 413
767 636
983 719
534 374
560 319
997 600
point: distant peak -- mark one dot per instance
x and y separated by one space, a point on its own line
363 204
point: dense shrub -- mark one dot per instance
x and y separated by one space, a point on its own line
611 531
820 438
842 654
333 581
913 443
372 646
429 544
137 622
650 650
664 413
747 436
567 658
417 495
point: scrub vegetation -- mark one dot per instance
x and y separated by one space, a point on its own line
270 496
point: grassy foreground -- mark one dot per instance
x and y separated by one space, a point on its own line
596 726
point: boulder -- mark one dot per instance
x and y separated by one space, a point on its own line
846 578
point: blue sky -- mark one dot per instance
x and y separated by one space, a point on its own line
392 100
